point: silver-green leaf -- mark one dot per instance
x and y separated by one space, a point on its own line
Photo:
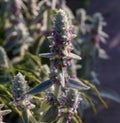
74 56
109 93
46 55
77 84
41 87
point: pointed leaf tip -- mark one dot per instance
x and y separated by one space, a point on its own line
5 112
74 56
46 55
77 84
40 87
109 93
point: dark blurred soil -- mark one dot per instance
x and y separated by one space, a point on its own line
108 70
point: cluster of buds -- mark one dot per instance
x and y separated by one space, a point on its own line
61 46
19 89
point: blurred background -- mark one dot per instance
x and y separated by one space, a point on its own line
108 72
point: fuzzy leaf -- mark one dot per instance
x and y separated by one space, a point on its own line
40 87
5 112
50 38
103 54
77 84
103 34
74 56
109 93
46 55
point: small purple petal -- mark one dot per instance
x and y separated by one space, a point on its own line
97 40
69 118
53 32
1 118
70 31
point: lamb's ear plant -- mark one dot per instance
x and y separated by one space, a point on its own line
65 96
18 38
65 87
90 35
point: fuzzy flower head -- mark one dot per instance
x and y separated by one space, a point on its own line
61 28
19 88
61 37
60 49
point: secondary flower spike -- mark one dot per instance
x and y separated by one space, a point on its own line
19 88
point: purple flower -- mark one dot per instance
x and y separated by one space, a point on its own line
1 118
